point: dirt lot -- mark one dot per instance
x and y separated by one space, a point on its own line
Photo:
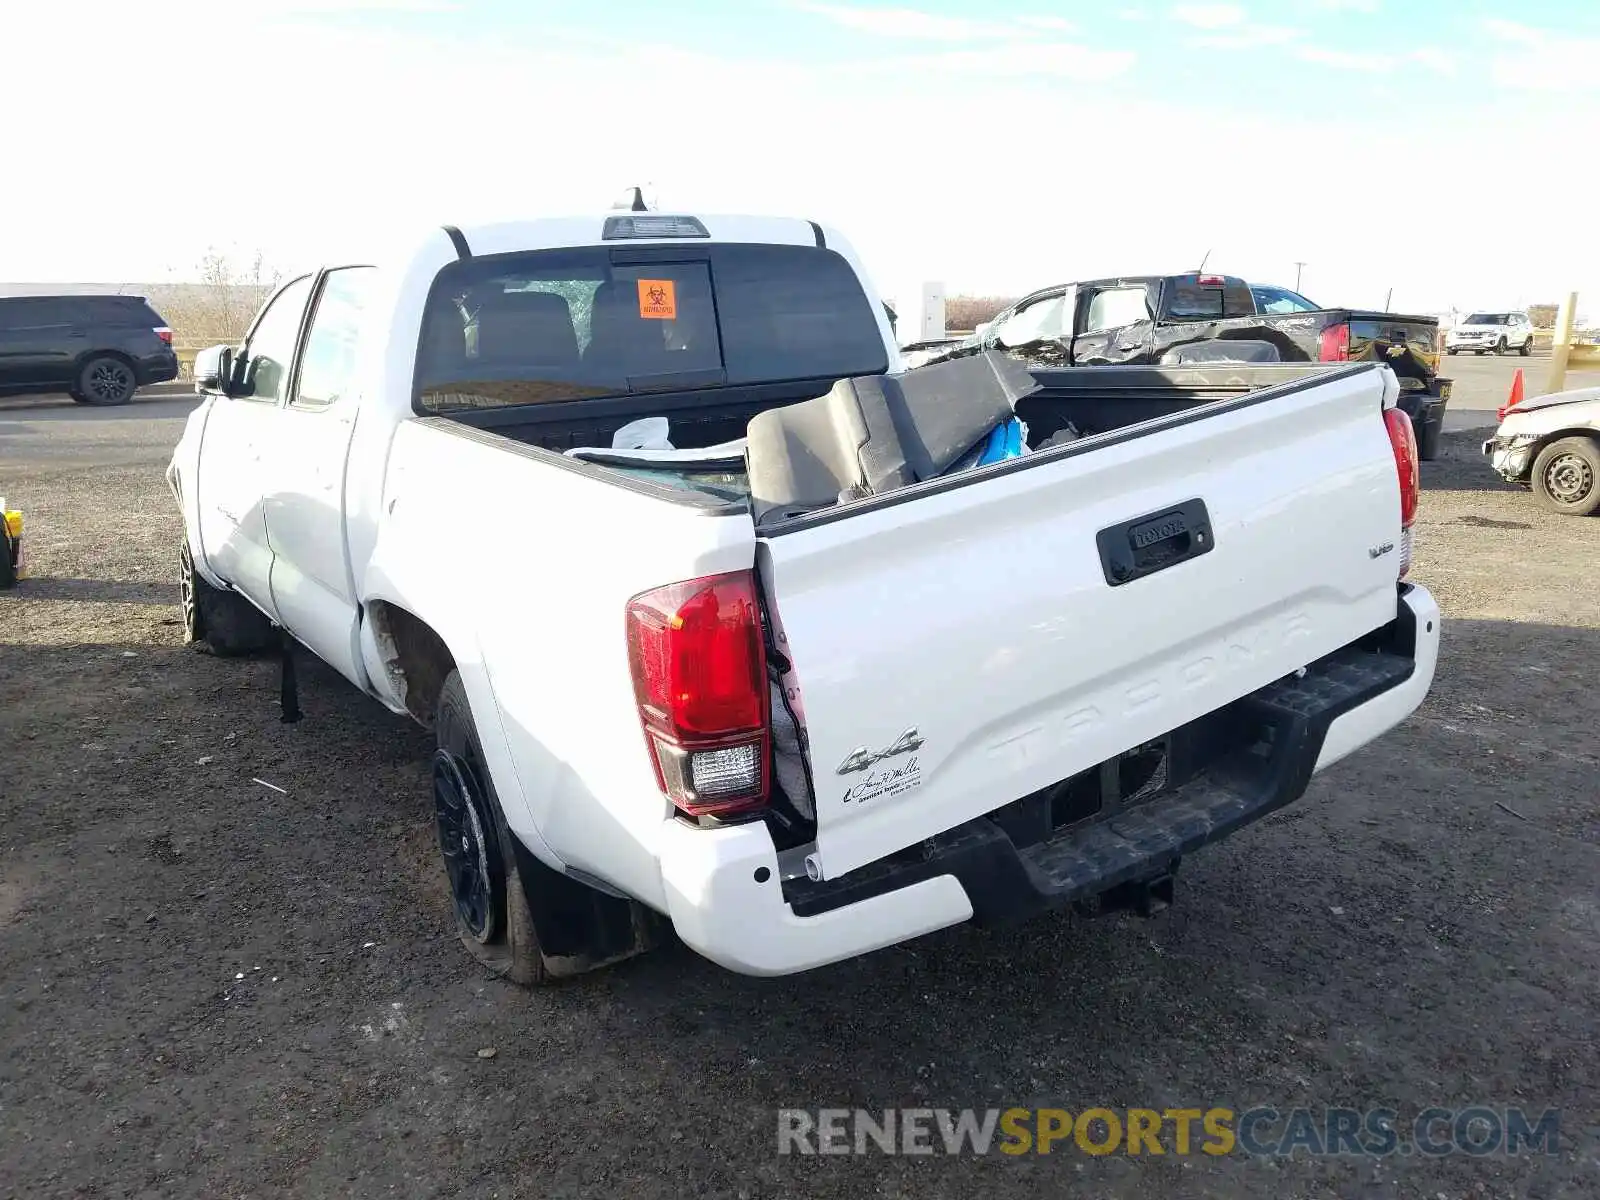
213 988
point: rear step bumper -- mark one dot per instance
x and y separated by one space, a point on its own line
724 906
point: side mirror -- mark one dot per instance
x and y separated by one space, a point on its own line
213 370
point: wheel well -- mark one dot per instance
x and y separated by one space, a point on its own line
416 658
1550 439
89 356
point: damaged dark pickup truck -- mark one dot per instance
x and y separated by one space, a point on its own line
1190 320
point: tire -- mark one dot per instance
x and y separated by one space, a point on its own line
1566 476
1500 347
480 863
1480 353
1527 347
105 381
219 622
1451 351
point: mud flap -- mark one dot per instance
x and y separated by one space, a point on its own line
581 928
288 682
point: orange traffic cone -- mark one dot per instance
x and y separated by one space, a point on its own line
1516 397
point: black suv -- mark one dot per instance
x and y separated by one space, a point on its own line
98 349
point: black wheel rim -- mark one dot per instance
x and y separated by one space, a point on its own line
191 623
1569 479
109 381
471 859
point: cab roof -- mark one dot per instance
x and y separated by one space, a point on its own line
624 227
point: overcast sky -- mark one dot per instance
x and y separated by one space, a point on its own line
1436 147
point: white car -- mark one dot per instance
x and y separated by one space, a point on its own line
723 624
1496 332
1551 444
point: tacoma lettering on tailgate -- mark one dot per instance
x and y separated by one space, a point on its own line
1020 746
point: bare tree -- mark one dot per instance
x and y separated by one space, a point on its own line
968 312
219 308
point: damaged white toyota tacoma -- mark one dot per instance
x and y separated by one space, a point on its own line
729 628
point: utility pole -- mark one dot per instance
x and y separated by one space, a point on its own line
1298 267
1561 344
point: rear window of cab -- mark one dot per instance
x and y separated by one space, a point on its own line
546 326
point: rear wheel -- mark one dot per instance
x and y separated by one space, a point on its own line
105 381
215 621
491 909
1565 475
1527 346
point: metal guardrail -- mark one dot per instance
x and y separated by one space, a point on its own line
186 352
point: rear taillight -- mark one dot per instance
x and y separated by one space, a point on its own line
1335 343
1403 440
164 334
699 667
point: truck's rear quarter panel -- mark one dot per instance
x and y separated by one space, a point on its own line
525 567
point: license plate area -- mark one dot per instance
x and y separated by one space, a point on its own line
1130 779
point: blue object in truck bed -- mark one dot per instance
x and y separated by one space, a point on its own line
1006 441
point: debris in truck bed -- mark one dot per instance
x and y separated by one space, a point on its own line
873 434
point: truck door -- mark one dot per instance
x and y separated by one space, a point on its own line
304 466
239 428
1039 329
1115 325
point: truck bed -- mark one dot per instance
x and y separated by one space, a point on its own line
1092 400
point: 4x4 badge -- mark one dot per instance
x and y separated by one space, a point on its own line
861 758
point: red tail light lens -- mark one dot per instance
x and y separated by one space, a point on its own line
699 667
1335 343
1403 440
164 334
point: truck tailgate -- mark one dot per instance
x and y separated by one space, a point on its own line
1408 345
961 644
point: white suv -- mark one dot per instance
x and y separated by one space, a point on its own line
1497 331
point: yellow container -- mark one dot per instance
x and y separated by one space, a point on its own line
11 565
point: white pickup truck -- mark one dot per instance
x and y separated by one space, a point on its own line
807 676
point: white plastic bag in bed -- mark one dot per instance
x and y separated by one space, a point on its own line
647 433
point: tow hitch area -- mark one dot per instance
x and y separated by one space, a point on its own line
1145 897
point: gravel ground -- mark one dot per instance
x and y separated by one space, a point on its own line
213 988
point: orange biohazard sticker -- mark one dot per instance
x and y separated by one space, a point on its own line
658 300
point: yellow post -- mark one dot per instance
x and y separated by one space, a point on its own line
1561 344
